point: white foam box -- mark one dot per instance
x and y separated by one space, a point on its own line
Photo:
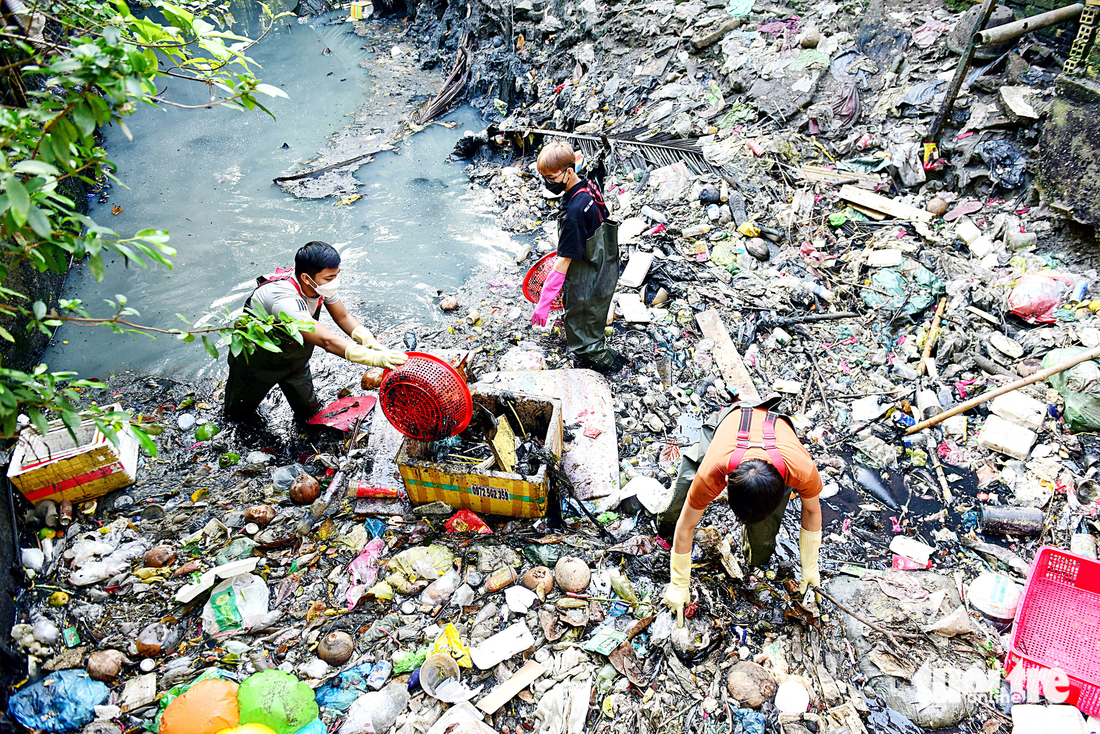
1037 719
1019 408
967 231
1006 437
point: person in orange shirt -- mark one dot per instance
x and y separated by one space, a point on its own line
754 454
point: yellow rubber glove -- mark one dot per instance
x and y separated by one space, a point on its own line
678 591
373 357
394 357
362 335
809 548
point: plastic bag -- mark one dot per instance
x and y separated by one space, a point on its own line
517 359
465 521
407 660
176 691
440 590
364 571
1006 162
376 711
236 603
449 642
284 476
59 702
278 700
419 563
1079 386
206 707
340 692
1036 295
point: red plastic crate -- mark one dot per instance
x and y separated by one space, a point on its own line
1058 624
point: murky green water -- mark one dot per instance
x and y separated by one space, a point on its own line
206 176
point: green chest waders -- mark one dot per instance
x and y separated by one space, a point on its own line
758 538
586 295
252 377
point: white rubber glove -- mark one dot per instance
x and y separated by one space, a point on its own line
809 548
678 591
362 335
373 357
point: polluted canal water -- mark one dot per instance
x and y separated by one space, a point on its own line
206 176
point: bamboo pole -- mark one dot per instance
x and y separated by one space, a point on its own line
933 332
1011 387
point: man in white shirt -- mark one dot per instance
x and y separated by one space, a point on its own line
299 294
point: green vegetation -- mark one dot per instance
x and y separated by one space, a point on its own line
75 66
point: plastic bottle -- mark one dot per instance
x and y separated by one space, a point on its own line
654 215
376 711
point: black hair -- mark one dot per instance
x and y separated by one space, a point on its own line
313 257
755 489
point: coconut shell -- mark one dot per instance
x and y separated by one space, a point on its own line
336 648
372 378
262 515
159 557
104 665
540 580
450 303
936 206
304 489
758 248
572 574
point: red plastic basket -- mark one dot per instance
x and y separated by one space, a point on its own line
1058 625
536 276
426 398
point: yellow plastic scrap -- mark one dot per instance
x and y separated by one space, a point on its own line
381 590
450 643
152 575
749 230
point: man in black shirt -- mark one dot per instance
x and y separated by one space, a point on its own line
588 252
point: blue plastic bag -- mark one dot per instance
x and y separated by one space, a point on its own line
340 692
61 701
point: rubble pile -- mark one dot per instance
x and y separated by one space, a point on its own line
781 230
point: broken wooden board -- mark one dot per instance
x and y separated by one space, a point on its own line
881 204
1016 105
877 216
507 690
821 174
725 354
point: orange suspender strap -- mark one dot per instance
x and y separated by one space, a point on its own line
768 444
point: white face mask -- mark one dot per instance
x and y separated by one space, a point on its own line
328 290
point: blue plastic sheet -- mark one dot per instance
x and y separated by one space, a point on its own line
340 692
62 701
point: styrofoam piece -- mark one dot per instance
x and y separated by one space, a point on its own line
636 269
1019 408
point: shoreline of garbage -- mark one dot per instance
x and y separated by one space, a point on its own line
756 260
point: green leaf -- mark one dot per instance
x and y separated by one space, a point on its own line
20 200
35 168
39 309
39 421
4 333
145 440
271 91
84 118
209 345
95 263
39 222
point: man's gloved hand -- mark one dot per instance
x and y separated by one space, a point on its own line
362 335
809 548
678 591
373 357
550 290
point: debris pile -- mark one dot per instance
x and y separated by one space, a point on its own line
783 229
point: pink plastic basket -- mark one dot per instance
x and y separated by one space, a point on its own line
1058 624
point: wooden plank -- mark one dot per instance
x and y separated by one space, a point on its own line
725 354
877 216
821 174
882 204
507 690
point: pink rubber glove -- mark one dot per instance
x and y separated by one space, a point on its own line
550 290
